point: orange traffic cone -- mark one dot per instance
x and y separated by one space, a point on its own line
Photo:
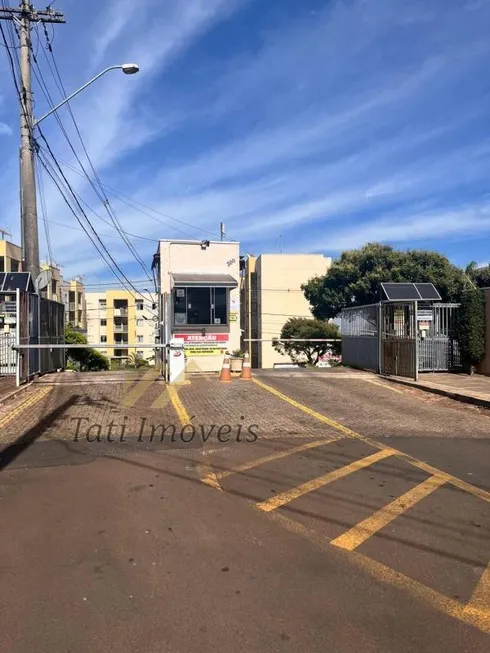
225 376
246 374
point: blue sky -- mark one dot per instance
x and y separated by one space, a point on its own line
321 125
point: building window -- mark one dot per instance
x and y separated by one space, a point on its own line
200 306
2 264
102 303
103 323
139 338
14 265
139 304
140 353
103 338
139 322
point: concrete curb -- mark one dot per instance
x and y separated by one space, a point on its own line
466 399
14 393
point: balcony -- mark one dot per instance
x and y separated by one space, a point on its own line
72 306
120 328
120 312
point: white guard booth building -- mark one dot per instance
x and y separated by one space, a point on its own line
200 299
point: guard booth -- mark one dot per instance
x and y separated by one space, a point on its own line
409 331
28 319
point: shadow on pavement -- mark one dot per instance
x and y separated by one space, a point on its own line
12 451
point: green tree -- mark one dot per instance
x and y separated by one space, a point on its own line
301 327
354 279
86 359
479 276
471 328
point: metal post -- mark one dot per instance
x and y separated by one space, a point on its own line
415 330
30 244
17 337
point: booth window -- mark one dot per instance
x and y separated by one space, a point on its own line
200 306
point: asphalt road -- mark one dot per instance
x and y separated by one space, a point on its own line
359 519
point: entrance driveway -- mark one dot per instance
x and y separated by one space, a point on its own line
300 511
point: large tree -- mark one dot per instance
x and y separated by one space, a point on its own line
479 275
307 351
354 279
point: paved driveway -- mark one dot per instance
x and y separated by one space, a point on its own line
297 512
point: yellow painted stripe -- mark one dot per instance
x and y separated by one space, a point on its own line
385 386
206 473
27 403
478 609
384 574
289 495
275 456
368 527
308 411
131 397
433 471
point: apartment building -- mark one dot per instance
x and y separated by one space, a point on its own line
200 298
54 289
271 294
75 305
122 318
10 257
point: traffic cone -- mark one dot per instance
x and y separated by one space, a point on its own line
225 376
246 374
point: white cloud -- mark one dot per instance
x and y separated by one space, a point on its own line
5 130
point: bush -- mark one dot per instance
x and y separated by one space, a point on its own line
471 328
86 359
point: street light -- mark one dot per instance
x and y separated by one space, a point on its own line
127 68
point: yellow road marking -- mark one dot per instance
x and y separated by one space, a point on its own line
205 472
433 471
308 411
384 385
275 456
478 608
289 495
27 403
368 527
384 574
143 384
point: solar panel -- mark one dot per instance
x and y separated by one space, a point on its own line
400 291
2 279
428 292
409 292
14 280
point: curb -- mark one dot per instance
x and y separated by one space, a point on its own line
14 393
456 396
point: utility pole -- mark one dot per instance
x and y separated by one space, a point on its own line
22 18
222 231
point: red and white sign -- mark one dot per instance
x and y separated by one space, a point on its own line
210 338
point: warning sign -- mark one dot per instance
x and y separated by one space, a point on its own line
212 344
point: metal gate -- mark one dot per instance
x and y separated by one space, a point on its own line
8 357
401 338
398 339
437 344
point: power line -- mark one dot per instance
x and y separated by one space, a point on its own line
119 274
100 193
44 213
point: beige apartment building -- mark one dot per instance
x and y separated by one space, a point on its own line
122 318
10 257
54 289
271 294
75 304
199 286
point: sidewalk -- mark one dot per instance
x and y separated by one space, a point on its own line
462 387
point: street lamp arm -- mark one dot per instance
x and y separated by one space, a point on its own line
82 88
